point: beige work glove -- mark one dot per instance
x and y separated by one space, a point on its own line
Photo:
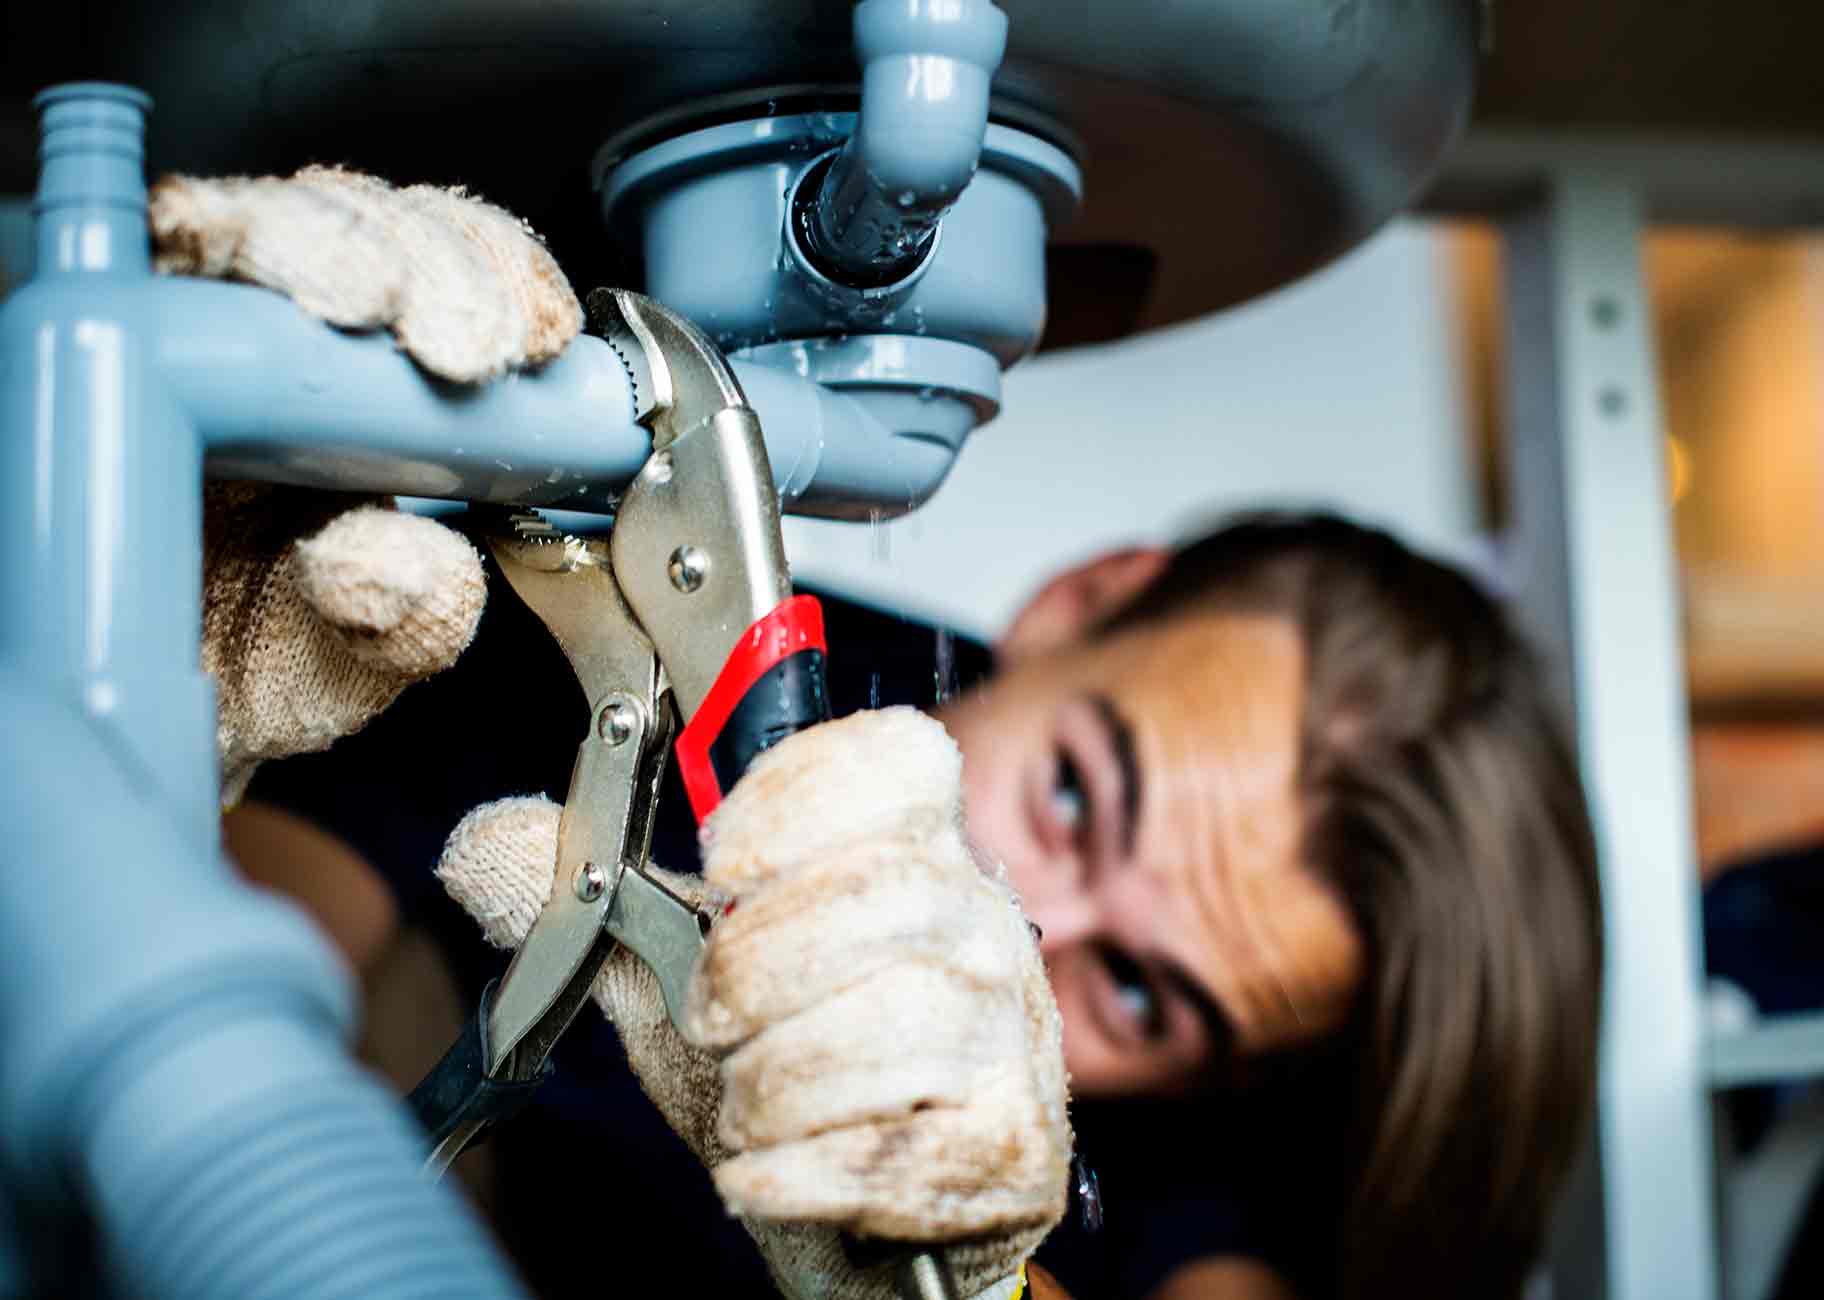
318 608
467 289
872 1045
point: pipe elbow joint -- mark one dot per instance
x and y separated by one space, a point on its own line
927 66
921 164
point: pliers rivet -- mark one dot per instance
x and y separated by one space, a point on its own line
619 720
688 567
591 880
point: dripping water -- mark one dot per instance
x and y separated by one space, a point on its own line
944 669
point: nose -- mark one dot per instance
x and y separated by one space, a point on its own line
1065 920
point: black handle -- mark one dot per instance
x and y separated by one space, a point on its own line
787 698
458 1100
770 687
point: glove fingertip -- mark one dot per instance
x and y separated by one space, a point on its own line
554 316
467 348
194 229
895 763
404 593
315 239
461 320
750 1186
544 306
499 862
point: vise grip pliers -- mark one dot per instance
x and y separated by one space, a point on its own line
684 615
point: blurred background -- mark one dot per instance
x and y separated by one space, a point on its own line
1377 387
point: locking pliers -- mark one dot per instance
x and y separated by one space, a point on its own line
674 620
684 633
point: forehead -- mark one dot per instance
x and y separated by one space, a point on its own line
1220 669
1216 705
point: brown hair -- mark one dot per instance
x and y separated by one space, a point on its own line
1442 804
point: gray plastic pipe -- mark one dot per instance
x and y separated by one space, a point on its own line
275 396
173 1064
869 219
278 397
868 453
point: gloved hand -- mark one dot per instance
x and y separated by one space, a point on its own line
468 289
871 1045
319 609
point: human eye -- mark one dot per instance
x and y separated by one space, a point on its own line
1069 801
1092 800
1137 999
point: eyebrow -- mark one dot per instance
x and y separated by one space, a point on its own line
1121 738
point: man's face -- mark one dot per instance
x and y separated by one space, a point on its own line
1141 789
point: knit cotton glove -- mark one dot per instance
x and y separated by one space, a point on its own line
318 608
871 1044
468 289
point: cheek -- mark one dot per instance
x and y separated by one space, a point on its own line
997 753
991 806
1097 1066
1095 1069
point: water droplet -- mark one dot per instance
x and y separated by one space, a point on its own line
907 198
879 539
1086 1191
944 668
